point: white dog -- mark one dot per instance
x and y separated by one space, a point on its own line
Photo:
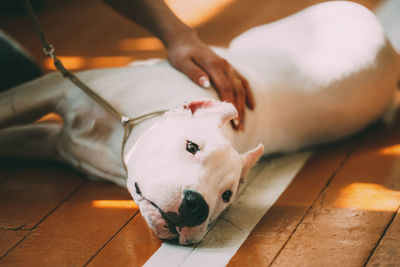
317 76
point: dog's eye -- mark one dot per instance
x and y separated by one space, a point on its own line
226 196
191 147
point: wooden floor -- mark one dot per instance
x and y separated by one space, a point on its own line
342 209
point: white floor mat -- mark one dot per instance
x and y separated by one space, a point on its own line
267 181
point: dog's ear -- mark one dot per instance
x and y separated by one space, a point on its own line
221 111
250 158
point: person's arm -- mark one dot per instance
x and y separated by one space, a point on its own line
187 53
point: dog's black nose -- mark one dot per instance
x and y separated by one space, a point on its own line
193 210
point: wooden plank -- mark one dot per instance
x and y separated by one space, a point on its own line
32 192
131 247
351 215
10 238
77 229
387 252
281 220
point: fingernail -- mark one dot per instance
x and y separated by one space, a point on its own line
204 82
236 122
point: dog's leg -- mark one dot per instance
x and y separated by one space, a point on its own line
32 141
30 101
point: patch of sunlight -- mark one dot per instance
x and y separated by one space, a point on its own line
368 196
390 150
51 117
195 12
69 62
75 62
143 44
115 204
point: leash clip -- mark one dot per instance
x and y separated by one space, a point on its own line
124 120
49 51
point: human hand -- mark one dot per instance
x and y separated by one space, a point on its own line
195 59
188 54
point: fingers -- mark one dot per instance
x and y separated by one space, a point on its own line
240 100
192 70
234 88
204 67
250 103
230 89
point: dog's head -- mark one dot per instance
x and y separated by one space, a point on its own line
183 172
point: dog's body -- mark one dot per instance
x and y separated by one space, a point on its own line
317 76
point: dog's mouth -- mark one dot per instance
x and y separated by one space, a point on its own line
174 221
168 217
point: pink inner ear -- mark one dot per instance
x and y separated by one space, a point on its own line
195 105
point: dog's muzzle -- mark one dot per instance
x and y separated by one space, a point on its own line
193 211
